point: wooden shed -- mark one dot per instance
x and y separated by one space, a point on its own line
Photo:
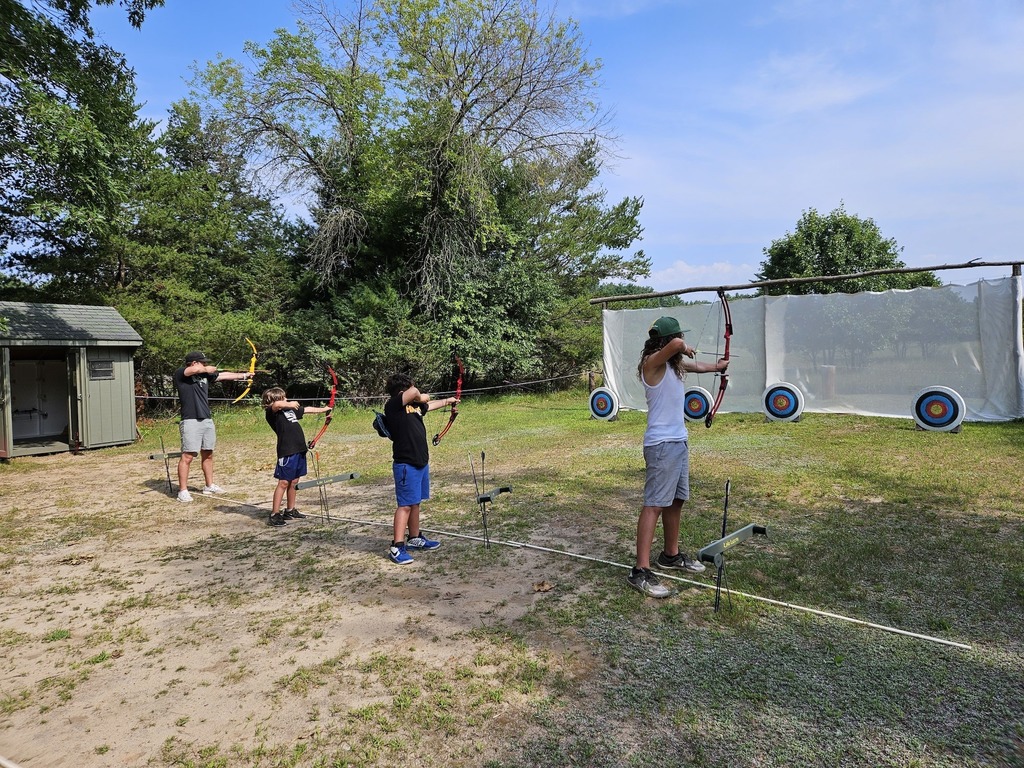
67 379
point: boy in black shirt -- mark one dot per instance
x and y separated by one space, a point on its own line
404 415
283 417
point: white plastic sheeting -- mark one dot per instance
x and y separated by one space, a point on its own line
866 353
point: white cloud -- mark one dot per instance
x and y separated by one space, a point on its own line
800 83
613 9
681 274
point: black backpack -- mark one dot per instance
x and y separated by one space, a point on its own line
380 425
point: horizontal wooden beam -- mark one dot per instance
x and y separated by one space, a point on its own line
974 263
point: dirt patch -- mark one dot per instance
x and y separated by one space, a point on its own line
137 630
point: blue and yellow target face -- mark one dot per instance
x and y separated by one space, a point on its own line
939 408
698 403
783 402
603 404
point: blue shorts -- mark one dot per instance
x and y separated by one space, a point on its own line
668 473
412 484
291 467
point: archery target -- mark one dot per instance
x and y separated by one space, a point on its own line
603 404
782 402
698 403
939 409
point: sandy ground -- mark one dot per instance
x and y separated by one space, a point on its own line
133 626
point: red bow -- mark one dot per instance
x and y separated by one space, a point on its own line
724 380
455 407
330 404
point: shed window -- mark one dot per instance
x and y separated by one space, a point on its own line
100 370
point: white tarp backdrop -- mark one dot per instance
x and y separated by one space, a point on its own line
866 353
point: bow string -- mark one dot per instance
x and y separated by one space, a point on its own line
455 408
330 404
723 380
251 372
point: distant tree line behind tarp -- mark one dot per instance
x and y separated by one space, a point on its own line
866 353
831 333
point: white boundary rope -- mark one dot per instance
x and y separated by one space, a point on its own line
757 598
791 606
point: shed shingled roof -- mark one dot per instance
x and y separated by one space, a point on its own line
65 324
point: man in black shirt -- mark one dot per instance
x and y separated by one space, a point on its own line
404 415
198 436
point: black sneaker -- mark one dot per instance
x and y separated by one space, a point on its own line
644 580
276 520
678 562
292 514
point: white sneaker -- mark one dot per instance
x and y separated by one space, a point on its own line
184 496
212 489
644 580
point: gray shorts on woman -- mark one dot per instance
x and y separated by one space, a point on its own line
668 473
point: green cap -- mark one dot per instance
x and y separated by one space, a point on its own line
665 326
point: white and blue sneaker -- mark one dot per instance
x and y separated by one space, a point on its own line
399 555
422 542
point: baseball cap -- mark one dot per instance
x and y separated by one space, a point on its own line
665 326
195 357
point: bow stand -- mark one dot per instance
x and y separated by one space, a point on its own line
714 553
486 497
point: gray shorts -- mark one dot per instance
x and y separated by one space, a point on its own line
197 436
668 473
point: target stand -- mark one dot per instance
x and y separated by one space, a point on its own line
714 553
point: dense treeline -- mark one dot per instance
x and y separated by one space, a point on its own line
446 155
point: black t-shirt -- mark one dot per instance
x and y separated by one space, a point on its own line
408 432
290 437
194 394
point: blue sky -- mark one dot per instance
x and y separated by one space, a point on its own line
735 117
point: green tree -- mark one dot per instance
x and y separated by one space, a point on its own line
837 244
69 137
452 151
207 258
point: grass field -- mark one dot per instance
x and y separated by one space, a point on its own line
867 518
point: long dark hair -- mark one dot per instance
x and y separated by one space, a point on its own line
653 345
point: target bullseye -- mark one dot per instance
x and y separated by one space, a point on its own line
697 404
604 404
782 402
939 409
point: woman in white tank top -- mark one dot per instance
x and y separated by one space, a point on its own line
664 362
